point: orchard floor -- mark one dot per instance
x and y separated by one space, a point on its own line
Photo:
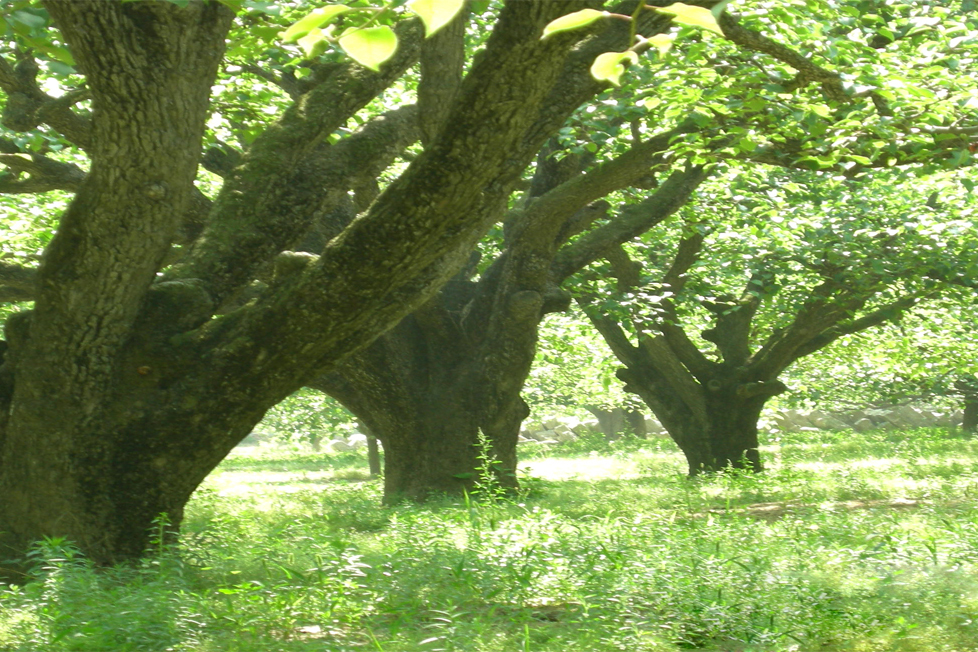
863 542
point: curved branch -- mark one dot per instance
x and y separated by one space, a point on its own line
28 106
442 63
889 312
267 201
631 222
44 174
808 71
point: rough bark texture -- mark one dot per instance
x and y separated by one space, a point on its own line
423 391
457 365
150 68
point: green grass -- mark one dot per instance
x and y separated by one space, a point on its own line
863 542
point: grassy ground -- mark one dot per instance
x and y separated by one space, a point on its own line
849 542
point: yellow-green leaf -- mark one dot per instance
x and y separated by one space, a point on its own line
576 20
435 14
651 102
663 42
316 18
610 66
370 47
685 14
310 42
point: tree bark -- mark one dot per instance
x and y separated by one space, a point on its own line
720 434
426 394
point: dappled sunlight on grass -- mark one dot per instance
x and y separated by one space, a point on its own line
607 551
585 469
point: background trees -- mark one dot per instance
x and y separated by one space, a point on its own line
833 257
457 366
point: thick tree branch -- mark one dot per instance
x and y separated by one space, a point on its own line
442 63
44 174
630 223
151 99
542 220
17 277
268 201
355 162
666 361
733 320
377 270
829 303
890 312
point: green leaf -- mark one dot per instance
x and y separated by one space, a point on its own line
576 20
719 7
435 14
317 18
60 54
663 43
311 41
370 47
26 18
685 14
609 66
651 102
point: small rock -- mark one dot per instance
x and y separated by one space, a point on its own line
339 446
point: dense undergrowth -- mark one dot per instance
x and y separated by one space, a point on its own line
864 542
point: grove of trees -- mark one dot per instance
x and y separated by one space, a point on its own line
241 217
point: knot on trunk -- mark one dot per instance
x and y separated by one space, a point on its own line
525 305
20 113
291 263
178 306
764 388
556 299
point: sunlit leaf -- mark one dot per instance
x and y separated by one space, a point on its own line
685 14
576 20
435 14
370 47
663 42
317 18
309 42
610 66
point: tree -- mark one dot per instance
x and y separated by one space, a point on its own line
837 257
129 380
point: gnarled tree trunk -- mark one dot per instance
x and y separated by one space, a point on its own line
430 386
715 426
131 380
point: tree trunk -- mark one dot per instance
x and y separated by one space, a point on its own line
426 393
720 433
373 456
969 422
125 386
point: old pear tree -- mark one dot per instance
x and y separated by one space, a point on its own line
166 322
706 328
